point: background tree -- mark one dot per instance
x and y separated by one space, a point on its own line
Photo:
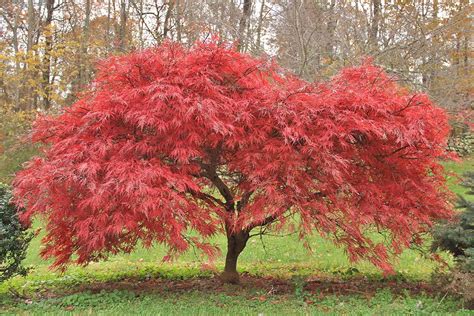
171 140
425 42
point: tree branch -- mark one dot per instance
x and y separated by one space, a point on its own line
210 172
206 197
406 106
270 219
244 201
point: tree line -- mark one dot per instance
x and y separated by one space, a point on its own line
48 48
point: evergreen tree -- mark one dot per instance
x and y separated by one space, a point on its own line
14 238
457 237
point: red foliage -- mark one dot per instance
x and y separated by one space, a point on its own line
170 140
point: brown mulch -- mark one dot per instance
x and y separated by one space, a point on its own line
250 284
205 285
368 287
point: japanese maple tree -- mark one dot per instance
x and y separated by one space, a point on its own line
172 140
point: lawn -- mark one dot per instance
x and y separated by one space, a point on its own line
280 277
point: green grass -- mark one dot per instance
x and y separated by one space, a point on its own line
194 303
459 168
280 257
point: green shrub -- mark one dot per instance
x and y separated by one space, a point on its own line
457 237
14 237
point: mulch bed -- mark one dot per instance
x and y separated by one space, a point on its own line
250 284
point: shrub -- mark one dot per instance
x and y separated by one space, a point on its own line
14 237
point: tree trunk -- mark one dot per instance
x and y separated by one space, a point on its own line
83 57
243 24
166 26
48 47
374 28
236 242
29 69
17 61
178 21
259 26
31 25
122 36
107 27
330 30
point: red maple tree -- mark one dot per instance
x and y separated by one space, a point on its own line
172 140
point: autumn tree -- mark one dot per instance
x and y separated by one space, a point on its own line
172 140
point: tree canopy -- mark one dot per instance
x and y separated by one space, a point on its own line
173 140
